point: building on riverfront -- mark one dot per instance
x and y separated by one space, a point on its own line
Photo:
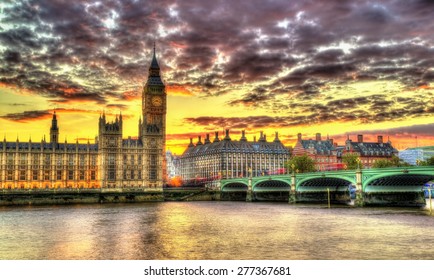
226 158
324 152
414 155
111 162
327 155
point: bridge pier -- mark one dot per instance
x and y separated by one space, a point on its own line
249 195
292 193
359 201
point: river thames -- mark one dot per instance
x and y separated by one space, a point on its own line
215 231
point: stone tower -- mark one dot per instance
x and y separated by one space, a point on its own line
54 130
153 127
110 150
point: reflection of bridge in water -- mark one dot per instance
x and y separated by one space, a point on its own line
402 186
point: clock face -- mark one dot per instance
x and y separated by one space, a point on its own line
156 101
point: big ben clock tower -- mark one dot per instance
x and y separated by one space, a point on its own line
153 128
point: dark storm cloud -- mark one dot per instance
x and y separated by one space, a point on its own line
27 116
252 122
421 129
248 66
294 49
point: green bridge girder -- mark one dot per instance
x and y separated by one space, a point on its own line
410 179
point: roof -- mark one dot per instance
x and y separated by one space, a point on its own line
323 147
373 148
49 146
230 146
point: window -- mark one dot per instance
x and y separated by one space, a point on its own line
47 161
22 175
46 175
35 161
23 161
153 167
35 175
82 160
70 175
81 174
93 175
59 174
70 160
59 161
9 175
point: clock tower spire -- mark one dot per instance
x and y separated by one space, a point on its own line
153 128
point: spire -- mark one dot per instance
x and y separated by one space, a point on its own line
154 63
154 78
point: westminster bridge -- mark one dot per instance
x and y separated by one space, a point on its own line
400 186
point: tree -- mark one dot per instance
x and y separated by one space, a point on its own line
427 162
430 161
301 164
393 162
382 163
352 160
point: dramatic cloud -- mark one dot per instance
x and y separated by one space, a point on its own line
299 62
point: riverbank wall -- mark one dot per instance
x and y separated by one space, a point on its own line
88 196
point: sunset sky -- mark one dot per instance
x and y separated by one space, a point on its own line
334 67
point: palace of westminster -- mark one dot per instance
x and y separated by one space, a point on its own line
114 162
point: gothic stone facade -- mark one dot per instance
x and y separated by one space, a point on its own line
111 162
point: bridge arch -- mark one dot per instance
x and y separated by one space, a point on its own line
321 183
235 186
397 181
273 184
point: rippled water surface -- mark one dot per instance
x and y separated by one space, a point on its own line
215 231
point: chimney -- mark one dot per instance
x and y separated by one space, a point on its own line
360 138
216 139
227 138
243 136
207 141
331 141
191 143
318 137
261 137
299 137
199 142
276 137
380 139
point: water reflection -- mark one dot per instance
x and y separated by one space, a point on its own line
214 230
